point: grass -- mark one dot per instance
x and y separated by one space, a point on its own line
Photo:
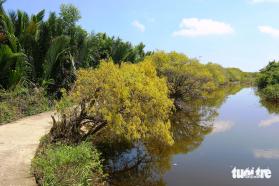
61 165
20 102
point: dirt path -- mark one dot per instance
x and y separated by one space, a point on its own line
18 143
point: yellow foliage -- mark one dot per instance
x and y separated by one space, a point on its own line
131 98
188 78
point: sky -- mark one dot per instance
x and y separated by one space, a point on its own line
233 33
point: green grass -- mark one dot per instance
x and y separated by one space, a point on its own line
61 165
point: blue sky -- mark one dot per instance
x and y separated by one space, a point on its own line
238 33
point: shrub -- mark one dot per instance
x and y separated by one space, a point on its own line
129 101
68 165
268 81
269 75
187 78
21 102
271 92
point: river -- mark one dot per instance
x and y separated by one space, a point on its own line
234 128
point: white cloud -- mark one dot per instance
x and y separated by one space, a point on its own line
264 1
266 153
138 25
222 126
269 30
269 122
193 27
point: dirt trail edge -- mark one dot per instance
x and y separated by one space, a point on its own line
18 143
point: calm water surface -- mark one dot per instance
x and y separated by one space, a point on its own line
234 128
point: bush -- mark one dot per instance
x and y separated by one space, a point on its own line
268 81
269 75
271 92
68 165
21 102
187 78
129 101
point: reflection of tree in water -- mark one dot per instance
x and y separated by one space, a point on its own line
132 165
145 164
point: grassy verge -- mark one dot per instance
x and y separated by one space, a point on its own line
20 102
60 164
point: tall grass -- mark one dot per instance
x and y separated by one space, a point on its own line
60 164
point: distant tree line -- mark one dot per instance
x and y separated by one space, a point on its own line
189 79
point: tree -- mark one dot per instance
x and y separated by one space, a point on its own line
36 39
269 75
128 101
70 15
59 66
13 66
234 74
218 73
27 30
100 46
187 78
268 81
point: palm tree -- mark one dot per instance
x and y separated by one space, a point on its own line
13 66
27 30
59 66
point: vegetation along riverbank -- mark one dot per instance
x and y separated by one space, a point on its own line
268 82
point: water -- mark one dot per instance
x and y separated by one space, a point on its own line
234 128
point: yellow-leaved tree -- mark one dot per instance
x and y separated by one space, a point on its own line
187 78
128 100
